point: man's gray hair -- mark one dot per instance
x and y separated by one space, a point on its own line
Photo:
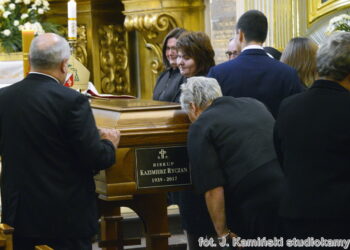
333 57
48 53
199 90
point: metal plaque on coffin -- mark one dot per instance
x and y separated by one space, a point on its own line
162 167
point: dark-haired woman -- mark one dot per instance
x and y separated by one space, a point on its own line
195 58
168 83
195 54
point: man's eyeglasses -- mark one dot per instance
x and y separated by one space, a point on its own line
231 54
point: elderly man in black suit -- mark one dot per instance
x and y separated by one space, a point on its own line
50 149
312 140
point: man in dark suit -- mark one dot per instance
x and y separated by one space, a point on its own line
312 140
50 149
253 73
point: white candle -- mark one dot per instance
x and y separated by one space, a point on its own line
72 20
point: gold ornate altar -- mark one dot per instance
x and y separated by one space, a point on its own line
119 41
153 20
102 44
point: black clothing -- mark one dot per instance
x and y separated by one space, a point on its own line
317 228
194 213
230 145
254 74
312 139
168 86
254 203
50 150
227 134
168 89
192 207
56 244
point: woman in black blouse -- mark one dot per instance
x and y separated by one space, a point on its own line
233 161
168 83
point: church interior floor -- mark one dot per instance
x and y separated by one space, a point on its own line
176 242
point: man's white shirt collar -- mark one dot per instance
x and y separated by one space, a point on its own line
32 72
252 47
256 47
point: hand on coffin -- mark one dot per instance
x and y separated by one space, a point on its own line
110 134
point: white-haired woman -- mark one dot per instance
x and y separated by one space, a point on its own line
232 159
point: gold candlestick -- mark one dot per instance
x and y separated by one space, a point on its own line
27 37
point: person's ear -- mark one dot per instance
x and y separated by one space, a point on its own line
240 36
196 110
193 107
64 66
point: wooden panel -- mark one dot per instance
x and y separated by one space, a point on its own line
142 122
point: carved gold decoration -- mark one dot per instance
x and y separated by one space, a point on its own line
319 8
113 59
156 63
151 24
81 46
80 49
154 28
150 21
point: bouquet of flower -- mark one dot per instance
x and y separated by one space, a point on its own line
339 23
18 15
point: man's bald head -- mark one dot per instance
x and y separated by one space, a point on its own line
48 51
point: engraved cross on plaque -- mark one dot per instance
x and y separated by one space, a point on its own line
162 154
